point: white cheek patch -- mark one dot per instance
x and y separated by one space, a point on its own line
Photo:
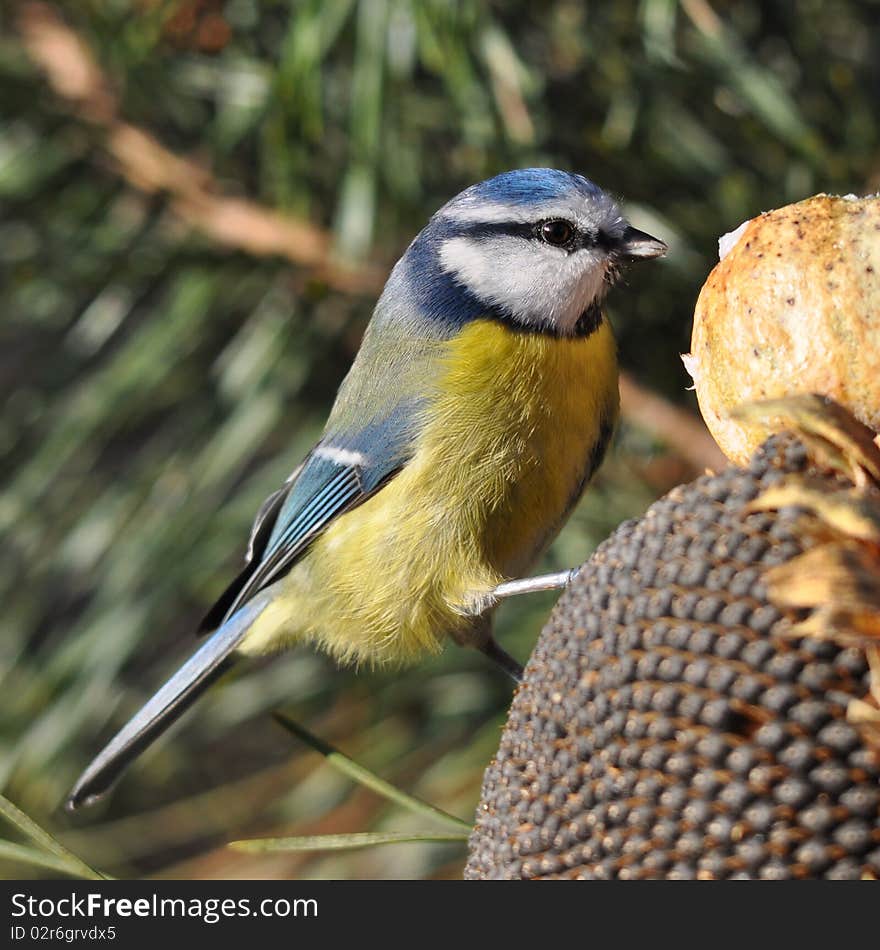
537 283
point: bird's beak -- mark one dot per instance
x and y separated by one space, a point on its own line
635 245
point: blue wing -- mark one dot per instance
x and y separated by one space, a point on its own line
341 472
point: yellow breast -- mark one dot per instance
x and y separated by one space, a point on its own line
514 428
528 417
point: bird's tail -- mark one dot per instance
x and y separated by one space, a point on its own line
170 702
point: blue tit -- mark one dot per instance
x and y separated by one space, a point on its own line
480 403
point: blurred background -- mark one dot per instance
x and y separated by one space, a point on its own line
199 201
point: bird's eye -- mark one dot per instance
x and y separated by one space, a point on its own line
557 233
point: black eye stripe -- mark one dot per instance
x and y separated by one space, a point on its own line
530 231
486 230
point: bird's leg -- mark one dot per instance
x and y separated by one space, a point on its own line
528 585
501 658
489 645
486 643
479 636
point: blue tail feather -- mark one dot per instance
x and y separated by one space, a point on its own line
170 702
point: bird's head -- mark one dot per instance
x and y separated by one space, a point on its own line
535 247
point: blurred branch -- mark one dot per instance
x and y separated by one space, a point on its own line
72 73
681 430
146 164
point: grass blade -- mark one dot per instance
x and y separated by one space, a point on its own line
364 777
72 864
344 842
24 854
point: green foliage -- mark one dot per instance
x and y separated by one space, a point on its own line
158 384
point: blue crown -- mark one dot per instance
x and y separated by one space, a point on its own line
526 186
